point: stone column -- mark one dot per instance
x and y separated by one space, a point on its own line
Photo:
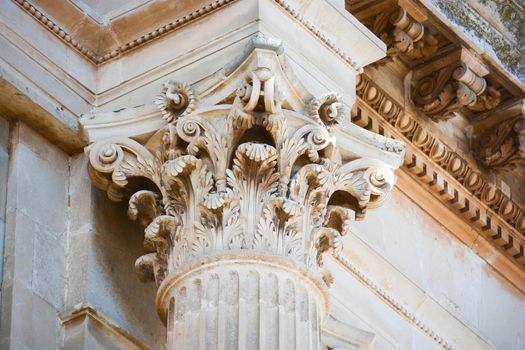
240 199
243 302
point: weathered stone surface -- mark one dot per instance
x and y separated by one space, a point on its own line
4 159
462 283
440 266
4 163
113 288
49 267
32 323
34 243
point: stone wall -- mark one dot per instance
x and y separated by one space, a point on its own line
415 259
4 156
68 270
35 242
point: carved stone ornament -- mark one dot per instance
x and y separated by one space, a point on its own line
451 86
176 100
502 146
402 35
243 192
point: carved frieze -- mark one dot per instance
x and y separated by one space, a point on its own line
499 137
445 86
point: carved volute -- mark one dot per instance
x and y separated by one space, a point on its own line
250 179
404 35
453 82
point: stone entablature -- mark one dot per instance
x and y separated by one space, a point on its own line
90 50
445 172
94 55
448 78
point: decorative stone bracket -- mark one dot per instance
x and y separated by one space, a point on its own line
448 84
241 198
402 34
499 137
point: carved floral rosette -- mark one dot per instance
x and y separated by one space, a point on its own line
245 177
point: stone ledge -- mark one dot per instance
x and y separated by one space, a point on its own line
84 315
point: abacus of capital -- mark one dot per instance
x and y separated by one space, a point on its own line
248 184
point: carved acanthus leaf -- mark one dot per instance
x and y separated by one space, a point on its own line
112 162
243 178
502 146
143 207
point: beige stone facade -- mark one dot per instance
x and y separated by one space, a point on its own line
262 174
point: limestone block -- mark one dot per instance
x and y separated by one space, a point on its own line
77 261
40 181
2 237
501 312
42 148
33 321
19 259
80 196
41 195
49 268
4 158
113 287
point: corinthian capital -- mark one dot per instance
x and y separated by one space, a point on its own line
248 177
264 178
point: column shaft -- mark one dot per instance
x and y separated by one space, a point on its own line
242 305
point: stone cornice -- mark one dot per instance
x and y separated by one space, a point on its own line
102 57
481 35
444 172
84 311
99 58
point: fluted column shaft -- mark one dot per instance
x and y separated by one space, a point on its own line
243 303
